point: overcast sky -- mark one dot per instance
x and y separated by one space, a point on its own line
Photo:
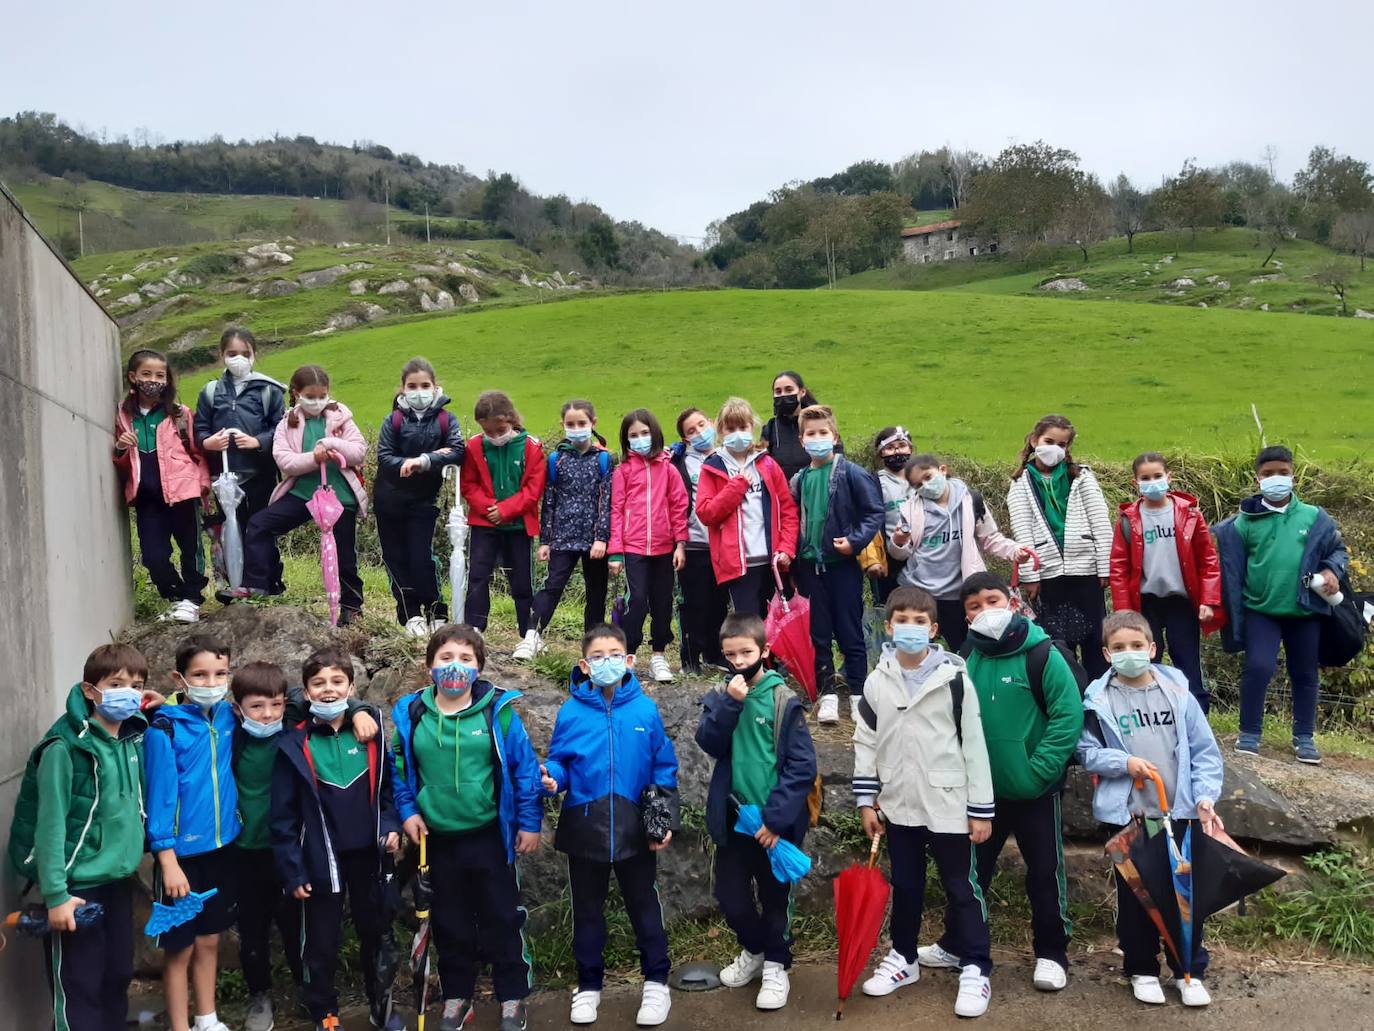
676 114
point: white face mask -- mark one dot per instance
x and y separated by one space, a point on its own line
238 365
502 440
1049 454
314 406
419 400
991 623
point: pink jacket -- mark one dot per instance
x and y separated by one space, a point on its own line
648 506
185 476
341 436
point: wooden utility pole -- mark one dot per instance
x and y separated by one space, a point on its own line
386 205
426 221
81 231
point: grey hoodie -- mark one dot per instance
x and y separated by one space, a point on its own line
755 531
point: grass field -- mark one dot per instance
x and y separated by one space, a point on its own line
968 373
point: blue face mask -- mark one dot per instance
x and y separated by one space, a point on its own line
1131 664
329 711
934 487
207 697
1153 490
912 638
117 704
261 730
819 448
454 679
641 445
607 670
1276 488
704 440
578 436
739 441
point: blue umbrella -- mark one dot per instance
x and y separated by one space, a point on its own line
790 864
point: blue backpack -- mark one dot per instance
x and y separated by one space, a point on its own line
603 461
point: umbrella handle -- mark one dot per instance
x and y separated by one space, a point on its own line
424 851
1016 570
777 579
1159 787
873 850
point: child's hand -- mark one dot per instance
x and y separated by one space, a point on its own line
680 557
320 453
544 552
63 917
842 546
782 560
1104 581
411 466
150 700
526 842
392 843
1030 591
979 831
1140 769
874 571
364 726
765 837
659 846
598 549
550 785
124 441
615 567
246 441
869 817
1205 614
215 441
1026 555
301 893
415 828
494 515
901 536
174 882
1208 817
1330 585
738 688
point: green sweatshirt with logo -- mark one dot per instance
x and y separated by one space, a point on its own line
453 754
753 754
1274 544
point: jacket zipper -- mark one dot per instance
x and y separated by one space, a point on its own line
610 795
214 773
648 508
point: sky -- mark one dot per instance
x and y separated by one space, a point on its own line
678 114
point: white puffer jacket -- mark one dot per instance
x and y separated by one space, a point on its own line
1087 547
907 750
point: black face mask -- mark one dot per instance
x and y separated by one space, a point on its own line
786 405
750 671
151 388
895 462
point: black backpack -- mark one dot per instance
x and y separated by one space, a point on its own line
1036 657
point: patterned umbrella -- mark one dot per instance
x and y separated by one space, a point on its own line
326 508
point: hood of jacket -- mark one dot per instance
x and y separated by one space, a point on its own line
1181 499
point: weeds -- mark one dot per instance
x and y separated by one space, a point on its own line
1335 912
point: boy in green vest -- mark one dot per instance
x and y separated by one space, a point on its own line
78 832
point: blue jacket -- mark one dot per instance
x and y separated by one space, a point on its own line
856 509
519 804
576 510
786 811
1324 550
256 409
418 435
193 801
1103 752
604 754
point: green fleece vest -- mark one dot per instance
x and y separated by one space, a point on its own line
454 759
1274 545
753 748
253 775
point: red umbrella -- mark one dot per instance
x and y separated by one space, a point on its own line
789 636
1018 603
861 894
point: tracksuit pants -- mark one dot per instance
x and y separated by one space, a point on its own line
1138 935
261 906
1173 622
763 926
966 908
323 915
284 515
836 593
953 625
476 914
703 608
591 880
1300 638
159 525
749 593
1040 838
651 593
489 548
407 539
595 578
89 970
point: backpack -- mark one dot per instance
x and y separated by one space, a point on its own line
815 796
1036 658
603 462
443 419
212 389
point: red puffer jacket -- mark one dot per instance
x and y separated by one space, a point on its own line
1197 558
523 505
720 507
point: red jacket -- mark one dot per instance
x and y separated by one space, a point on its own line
720 507
648 506
1197 557
478 492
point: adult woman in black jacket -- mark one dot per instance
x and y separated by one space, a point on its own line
780 433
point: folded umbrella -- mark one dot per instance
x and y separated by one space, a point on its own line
458 557
419 948
621 604
790 864
165 916
788 628
229 494
861 894
326 508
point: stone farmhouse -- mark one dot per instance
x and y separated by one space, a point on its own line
941 241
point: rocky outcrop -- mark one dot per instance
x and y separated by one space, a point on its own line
274 288
396 286
469 293
1064 286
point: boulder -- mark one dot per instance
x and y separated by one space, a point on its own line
358 287
427 304
1065 285
265 250
1202 304
275 288
127 278
443 299
1264 307
373 312
188 340
396 286
321 277
231 286
469 293
1267 278
1360 313
422 283
280 258
249 262
1179 284
1168 259
432 270
159 289
342 320
1222 284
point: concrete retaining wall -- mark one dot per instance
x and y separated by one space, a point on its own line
64 538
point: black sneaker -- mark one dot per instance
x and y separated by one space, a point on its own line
513 1016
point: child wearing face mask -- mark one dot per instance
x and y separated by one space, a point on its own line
334 826
1144 723
893 447
85 776
193 822
1283 566
574 524
1057 510
165 477
317 436
1165 566
236 415
648 534
703 603
944 531
503 479
417 441
467 790
1032 717
608 748
749 511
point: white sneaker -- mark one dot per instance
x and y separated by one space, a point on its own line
829 709
436 623
854 708
974 993
527 649
181 612
1193 993
746 966
654 1006
417 626
775 988
659 668
936 958
1147 989
584 1006
1049 976
892 973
